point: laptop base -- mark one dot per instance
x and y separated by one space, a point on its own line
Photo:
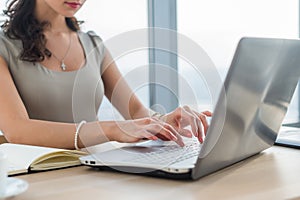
289 136
145 172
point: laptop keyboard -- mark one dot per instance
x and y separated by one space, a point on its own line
169 154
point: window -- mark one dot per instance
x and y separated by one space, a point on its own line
2 6
217 26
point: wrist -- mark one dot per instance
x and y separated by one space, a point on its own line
108 130
95 133
76 136
157 115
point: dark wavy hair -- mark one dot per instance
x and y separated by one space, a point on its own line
23 25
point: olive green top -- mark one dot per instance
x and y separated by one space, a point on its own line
69 96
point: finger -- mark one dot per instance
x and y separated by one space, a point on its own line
170 130
179 140
207 113
200 131
201 136
185 133
153 137
161 129
204 123
162 137
182 131
192 120
202 126
169 127
145 134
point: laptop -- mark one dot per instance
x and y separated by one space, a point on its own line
247 117
289 136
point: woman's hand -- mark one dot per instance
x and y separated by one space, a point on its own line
182 117
149 128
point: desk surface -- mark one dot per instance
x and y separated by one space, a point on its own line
273 174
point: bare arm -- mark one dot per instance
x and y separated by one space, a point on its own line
19 128
119 93
123 98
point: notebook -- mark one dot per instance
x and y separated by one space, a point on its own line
26 158
247 117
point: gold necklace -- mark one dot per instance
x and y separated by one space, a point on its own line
62 61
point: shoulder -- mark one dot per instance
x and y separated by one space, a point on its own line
94 39
89 34
3 37
92 34
4 43
2 34
9 43
9 48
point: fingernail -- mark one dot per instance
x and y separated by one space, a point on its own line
181 144
189 135
153 138
196 134
201 140
174 138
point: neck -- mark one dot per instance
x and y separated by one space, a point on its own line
57 22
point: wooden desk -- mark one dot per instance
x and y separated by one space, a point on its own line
274 174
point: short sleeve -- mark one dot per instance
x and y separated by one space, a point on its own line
3 47
97 41
99 45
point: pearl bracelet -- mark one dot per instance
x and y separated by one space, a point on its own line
78 127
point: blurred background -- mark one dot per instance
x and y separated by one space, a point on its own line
215 25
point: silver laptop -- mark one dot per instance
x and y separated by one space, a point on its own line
289 137
247 117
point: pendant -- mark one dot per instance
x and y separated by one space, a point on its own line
63 66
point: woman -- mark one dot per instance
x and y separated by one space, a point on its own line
52 80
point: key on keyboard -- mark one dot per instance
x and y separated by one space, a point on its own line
168 154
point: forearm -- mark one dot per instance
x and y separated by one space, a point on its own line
130 106
55 134
137 109
119 92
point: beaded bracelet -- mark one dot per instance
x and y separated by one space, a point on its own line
77 133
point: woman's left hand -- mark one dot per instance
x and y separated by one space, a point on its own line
184 116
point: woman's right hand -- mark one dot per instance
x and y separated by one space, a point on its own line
149 128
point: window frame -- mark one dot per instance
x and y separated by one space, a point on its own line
163 15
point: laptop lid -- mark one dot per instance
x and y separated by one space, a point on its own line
251 107
256 94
